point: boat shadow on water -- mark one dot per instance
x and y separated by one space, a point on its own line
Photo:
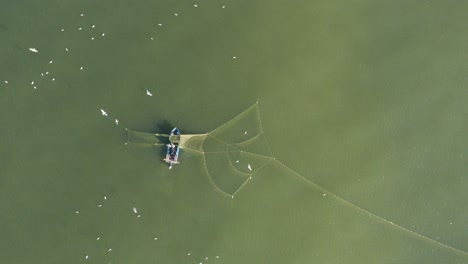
163 126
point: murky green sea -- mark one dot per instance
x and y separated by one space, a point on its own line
353 149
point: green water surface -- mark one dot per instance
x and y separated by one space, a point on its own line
363 105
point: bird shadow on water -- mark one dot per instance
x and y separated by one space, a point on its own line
4 27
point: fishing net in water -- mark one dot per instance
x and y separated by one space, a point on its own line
148 139
237 151
232 153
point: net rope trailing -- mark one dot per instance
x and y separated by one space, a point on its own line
235 152
191 142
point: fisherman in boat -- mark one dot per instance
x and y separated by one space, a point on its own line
173 148
172 152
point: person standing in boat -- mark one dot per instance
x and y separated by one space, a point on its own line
172 151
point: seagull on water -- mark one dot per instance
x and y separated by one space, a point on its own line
148 93
103 112
33 50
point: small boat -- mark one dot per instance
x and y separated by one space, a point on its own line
172 152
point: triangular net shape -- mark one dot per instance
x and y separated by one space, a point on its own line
236 150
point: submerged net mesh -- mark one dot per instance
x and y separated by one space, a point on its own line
236 151
192 142
232 153
142 138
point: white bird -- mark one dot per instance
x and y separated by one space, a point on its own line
33 49
250 168
62 29
51 61
6 81
110 249
82 15
81 68
32 82
100 205
76 212
160 25
103 34
237 161
175 14
98 238
86 257
135 210
105 198
195 5
234 57
223 6
103 112
117 123
245 133
93 26
148 93
79 28
66 49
